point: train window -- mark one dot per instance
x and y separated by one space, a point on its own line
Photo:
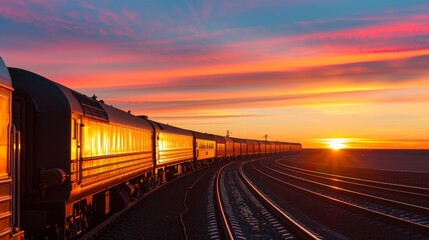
90 107
73 128
4 133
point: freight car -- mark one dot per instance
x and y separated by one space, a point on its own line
9 162
81 158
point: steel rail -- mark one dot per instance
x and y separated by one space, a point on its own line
225 223
385 200
294 226
413 226
358 179
339 178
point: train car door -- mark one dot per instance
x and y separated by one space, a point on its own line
76 153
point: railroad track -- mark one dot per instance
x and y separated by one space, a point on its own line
246 213
386 210
406 211
406 190
412 198
416 179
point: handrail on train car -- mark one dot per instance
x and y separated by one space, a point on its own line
15 159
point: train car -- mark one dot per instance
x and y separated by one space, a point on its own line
287 147
252 147
276 147
243 147
220 146
279 147
239 147
174 150
80 157
268 147
296 147
205 147
9 162
257 147
261 147
229 147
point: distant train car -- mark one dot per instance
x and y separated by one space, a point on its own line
277 146
240 147
9 171
296 147
287 147
80 157
268 147
252 147
205 146
261 147
220 146
174 150
281 144
229 147
243 147
257 147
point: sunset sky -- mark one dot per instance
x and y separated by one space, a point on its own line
300 71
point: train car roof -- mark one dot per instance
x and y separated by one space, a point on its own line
220 139
251 141
204 136
238 140
46 92
5 80
162 127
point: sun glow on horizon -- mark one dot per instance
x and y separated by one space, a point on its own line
336 143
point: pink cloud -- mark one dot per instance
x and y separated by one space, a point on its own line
361 97
24 13
47 17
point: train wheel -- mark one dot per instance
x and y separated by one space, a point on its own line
119 199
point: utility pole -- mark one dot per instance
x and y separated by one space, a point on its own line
265 137
228 133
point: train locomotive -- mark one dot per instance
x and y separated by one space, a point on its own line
80 159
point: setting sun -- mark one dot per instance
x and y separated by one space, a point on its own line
336 144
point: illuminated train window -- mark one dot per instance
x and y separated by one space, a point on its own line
73 128
91 108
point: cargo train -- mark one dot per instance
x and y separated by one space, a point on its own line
67 158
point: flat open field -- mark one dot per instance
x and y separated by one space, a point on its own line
397 160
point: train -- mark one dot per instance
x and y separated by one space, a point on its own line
67 158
